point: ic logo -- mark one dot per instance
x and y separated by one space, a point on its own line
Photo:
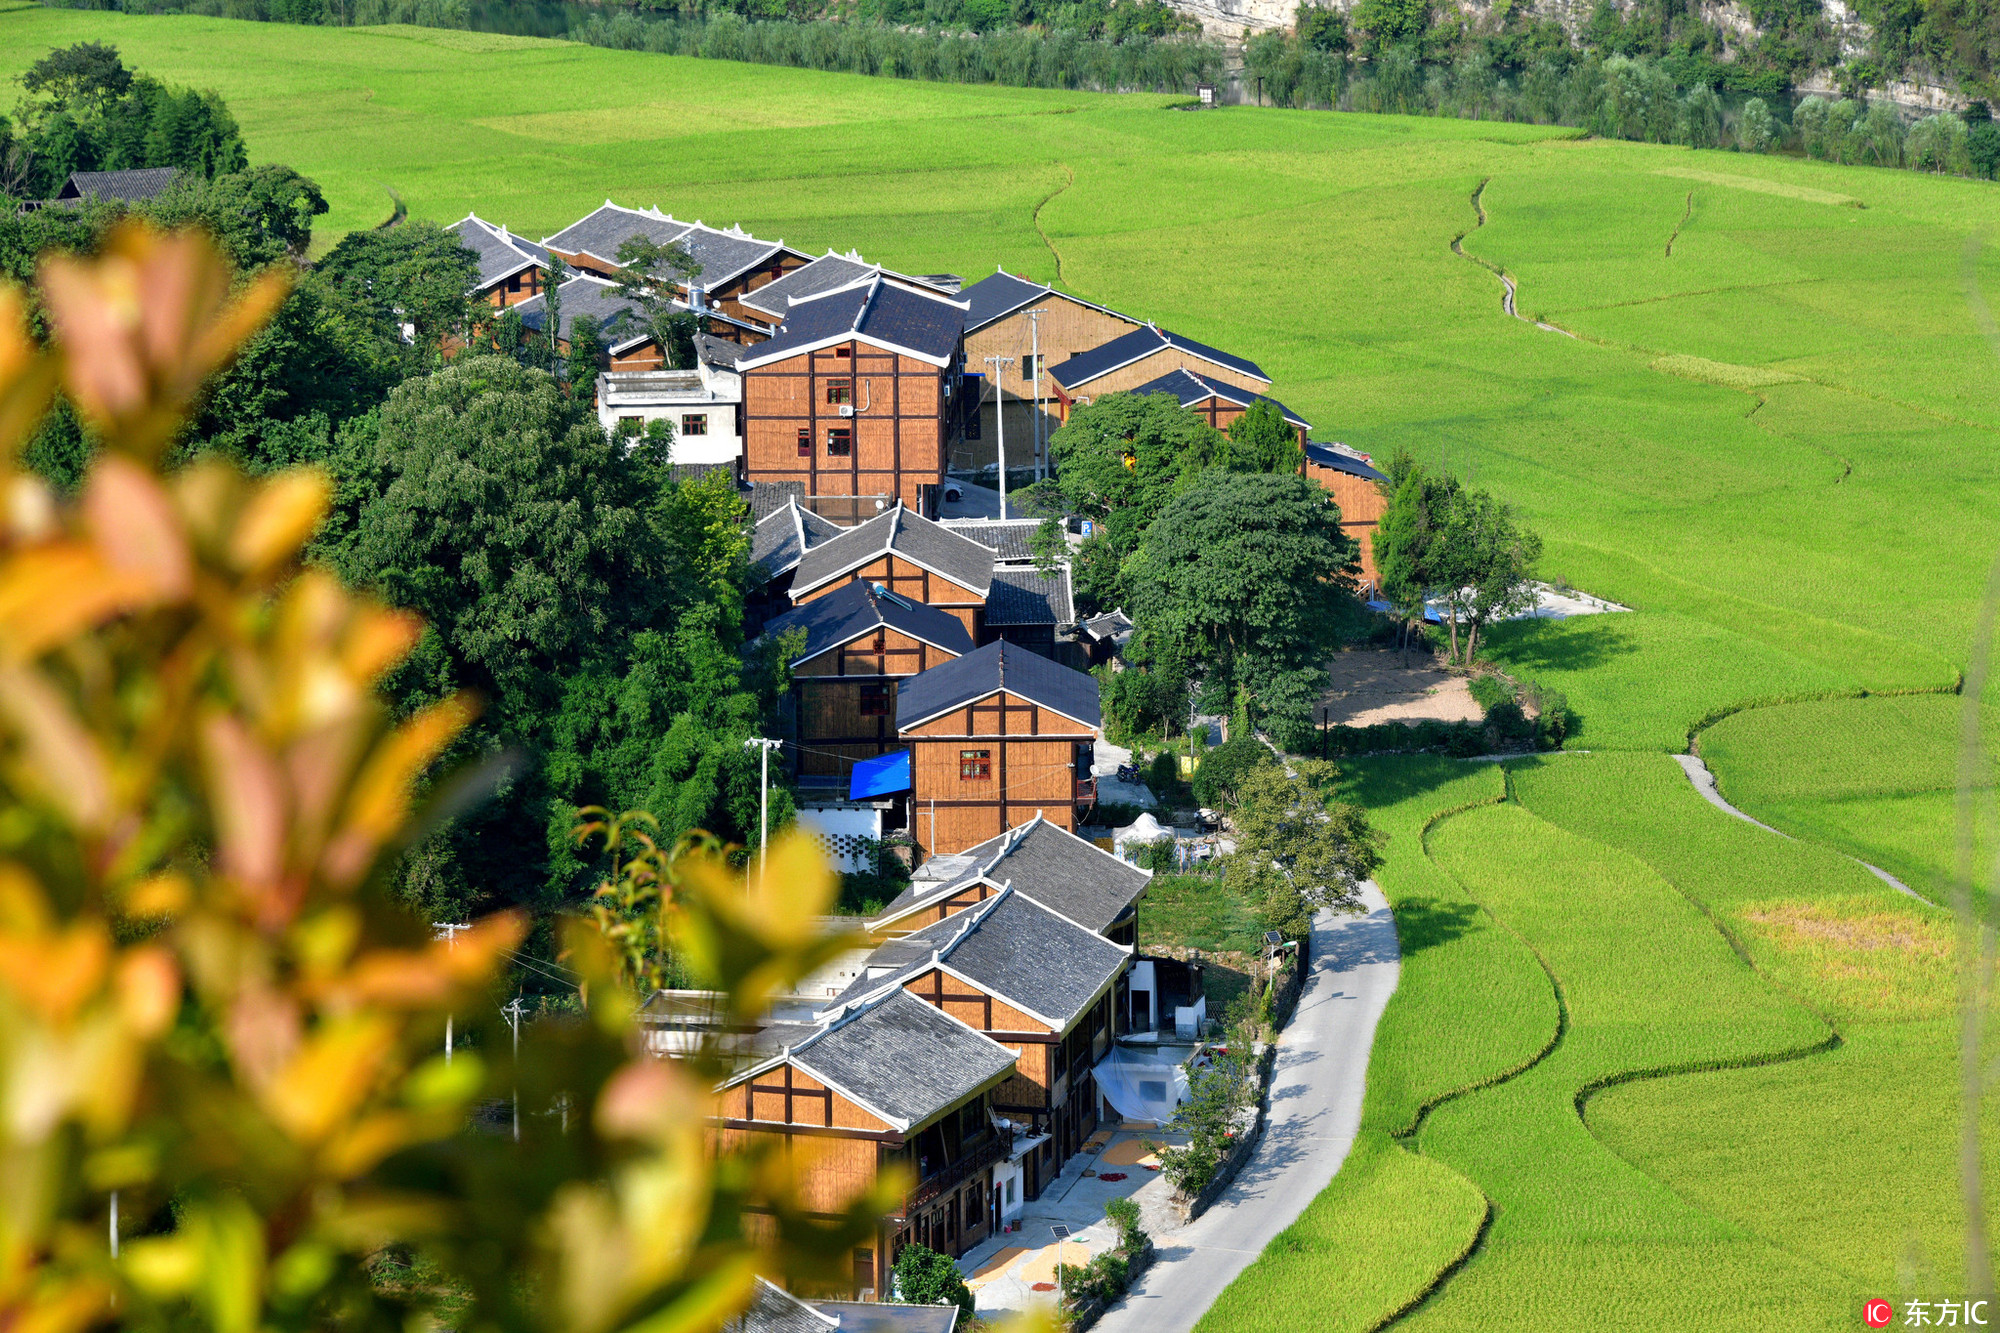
1877 1314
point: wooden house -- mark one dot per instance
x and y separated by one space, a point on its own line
1217 401
769 303
1041 985
885 1081
909 555
858 394
729 263
1357 488
778 542
1042 860
511 268
995 737
1140 357
1033 610
628 341
1009 316
859 642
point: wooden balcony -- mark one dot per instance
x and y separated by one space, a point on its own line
1086 790
999 1143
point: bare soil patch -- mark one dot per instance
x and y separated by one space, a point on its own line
1371 685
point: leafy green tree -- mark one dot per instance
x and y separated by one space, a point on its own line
1489 560
1244 580
258 216
552 328
584 358
1320 28
1297 848
1261 440
413 277
925 1277
1756 127
1409 557
650 276
85 76
1392 23
1049 546
1218 782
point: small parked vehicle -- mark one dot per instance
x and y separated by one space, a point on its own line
1128 772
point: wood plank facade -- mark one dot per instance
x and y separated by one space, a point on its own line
515 288
981 769
1149 368
1068 327
847 698
1362 505
907 578
890 441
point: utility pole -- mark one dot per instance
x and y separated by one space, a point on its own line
1000 423
513 1009
449 934
763 801
1035 332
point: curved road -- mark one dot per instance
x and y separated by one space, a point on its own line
1315 1111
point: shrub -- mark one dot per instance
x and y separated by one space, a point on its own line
1490 690
925 1277
1124 1215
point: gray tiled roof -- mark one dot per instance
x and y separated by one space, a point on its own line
1001 294
604 230
775 1310
875 310
1038 859
501 253
1009 540
619 321
768 497
998 666
133 186
857 609
722 255
1192 388
908 534
718 351
1326 456
886 1317
1130 347
1026 596
822 275
902 1059
1027 953
786 533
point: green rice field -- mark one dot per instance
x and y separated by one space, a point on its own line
1648 1066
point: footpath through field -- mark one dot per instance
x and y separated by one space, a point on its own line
1315 1110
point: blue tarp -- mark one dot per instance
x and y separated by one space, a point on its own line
880 777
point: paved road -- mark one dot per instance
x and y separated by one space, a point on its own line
1315 1110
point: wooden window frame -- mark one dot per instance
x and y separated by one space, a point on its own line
694 423
975 765
875 699
839 442
839 392
805 442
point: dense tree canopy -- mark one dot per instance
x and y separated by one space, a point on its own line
1446 543
1297 848
590 600
84 111
1243 581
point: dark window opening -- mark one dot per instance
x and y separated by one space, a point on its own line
874 701
805 444
839 442
694 423
839 391
975 765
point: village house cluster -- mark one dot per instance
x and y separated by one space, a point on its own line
939 701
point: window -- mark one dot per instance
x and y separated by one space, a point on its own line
629 427
839 442
975 765
694 423
805 444
839 391
875 700
881 642
843 352
1027 369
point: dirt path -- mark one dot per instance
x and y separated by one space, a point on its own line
1704 782
1371 685
1506 296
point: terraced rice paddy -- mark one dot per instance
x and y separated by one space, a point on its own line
1775 437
